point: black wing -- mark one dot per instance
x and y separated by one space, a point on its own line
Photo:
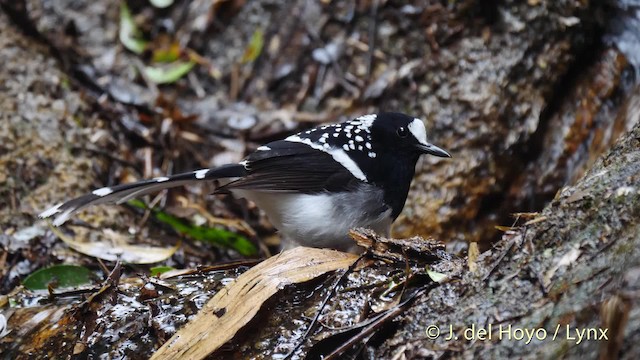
287 166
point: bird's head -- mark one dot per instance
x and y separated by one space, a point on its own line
402 135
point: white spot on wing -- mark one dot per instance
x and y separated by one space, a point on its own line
200 174
102 191
359 138
161 179
263 148
419 132
338 155
367 120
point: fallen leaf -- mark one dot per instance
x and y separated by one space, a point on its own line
254 49
504 228
131 254
61 275
157 270
129 34
472 257
233 307
166 53
398 249
436 276
536 220
167 74
3 326
161 4
211 235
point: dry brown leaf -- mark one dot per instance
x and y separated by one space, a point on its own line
473 254
614 313
396 249
535 221
112 251
504 228
235 305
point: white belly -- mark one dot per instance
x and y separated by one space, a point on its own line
321 220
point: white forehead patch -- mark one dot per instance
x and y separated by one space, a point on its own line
419 132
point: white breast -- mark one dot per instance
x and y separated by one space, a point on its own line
322 220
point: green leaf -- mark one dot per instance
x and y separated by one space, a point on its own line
218 237
254 49
169 73
436 276
157 270
166 54
59 275
129 34
161 4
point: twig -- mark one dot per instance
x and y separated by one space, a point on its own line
324 303
389 315
494 266
149 208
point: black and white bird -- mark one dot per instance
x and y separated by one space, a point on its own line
314 186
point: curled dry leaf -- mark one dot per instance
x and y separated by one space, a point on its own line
398 249
233 307
131 254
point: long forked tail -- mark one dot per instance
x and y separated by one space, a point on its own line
121 193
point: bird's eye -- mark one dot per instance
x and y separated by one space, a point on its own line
402 132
